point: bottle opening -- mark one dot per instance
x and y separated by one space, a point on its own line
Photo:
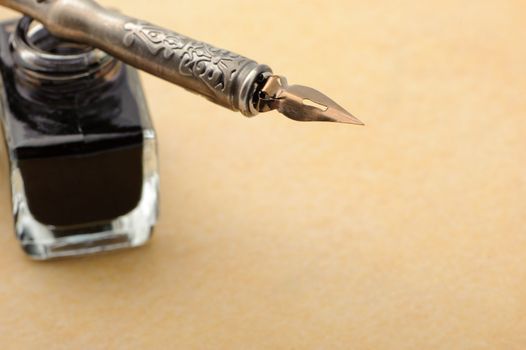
47 67
40 55
39 38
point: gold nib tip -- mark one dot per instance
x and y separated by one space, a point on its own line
347 118
302 103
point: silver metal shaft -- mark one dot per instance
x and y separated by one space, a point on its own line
226 78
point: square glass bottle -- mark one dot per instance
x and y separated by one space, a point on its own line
81 145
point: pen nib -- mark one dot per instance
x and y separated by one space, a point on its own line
301 103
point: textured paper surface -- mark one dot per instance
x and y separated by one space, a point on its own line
409 233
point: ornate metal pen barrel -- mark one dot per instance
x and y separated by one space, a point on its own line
223 77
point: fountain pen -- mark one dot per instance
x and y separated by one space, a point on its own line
225 78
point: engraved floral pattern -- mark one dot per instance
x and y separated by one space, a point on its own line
215 67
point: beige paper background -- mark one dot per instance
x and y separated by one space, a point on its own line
409 233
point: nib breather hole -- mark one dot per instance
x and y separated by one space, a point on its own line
311 103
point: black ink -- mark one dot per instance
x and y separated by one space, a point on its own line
78 145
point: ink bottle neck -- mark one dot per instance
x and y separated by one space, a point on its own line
48 69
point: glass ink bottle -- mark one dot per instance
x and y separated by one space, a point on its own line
81 145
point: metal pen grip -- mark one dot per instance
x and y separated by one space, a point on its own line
222 76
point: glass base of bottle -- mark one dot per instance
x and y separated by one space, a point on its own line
42 242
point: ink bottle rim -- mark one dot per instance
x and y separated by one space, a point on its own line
60 60
48 68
